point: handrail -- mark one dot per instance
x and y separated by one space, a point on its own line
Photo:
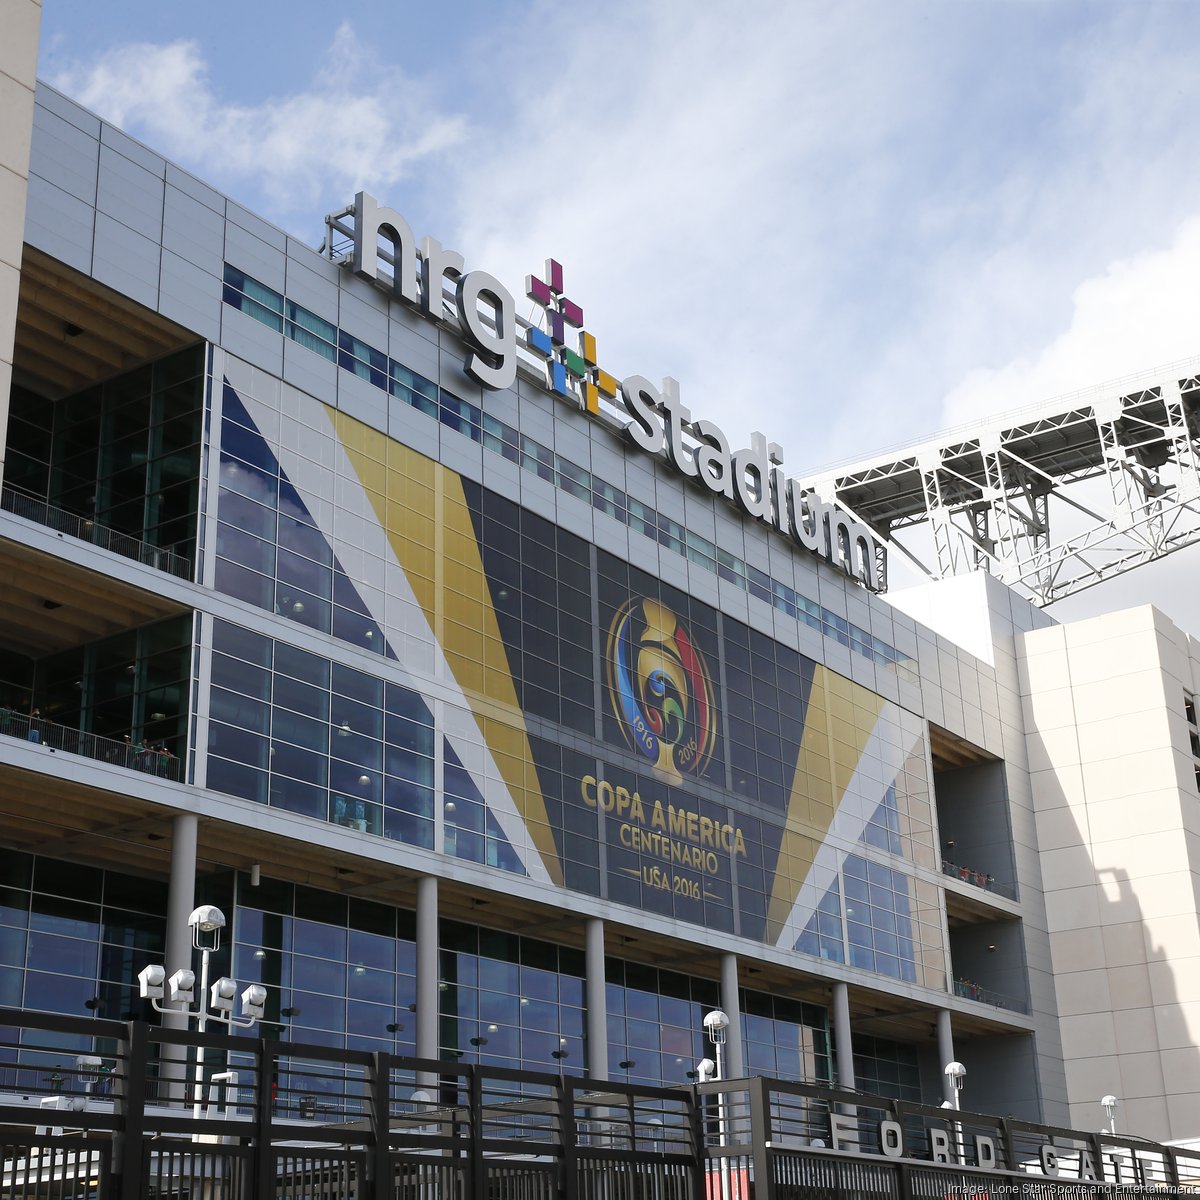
979 879
41 513
136 756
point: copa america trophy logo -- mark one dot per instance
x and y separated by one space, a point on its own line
660 689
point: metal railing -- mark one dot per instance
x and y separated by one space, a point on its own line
104 1109
979 879
968 989
133 756
72 525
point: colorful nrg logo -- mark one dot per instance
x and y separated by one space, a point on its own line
568 372
660 689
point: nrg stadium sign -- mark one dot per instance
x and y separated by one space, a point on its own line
751 478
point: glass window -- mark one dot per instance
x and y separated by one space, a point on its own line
311 331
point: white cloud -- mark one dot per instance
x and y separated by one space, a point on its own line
704 175
834 223
1140 313
300 151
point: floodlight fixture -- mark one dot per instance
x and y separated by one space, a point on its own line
152 981
221 995
254 1002
181 987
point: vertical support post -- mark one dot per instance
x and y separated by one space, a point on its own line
380 1168
427 974
760 1135
945 1043
264 1155
735 1064
699 1189
129 1158
1009 1158
568 1138
477 1187
842 1039
1172 1161
181 899
597 1001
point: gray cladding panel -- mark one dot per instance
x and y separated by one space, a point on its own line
246 338
59 224
58 104
310 372
258 258
134 151
64 155
310 290
126 261
190 296
193 231
244 219
191 186
130 194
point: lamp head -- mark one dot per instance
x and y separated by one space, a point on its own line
206 923
705 1070
221 994
254 1001
956 1073
206 918
1109 1104
715 1025
181 987
152 981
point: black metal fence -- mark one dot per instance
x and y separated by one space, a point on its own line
21 504
109 1111
150 759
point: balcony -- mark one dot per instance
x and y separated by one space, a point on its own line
979 879
41 513
968 989
135 756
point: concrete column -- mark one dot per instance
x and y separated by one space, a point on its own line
735 1063
181 899
843 1042
596 998
427 968
945 1041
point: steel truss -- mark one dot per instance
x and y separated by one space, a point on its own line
1050 504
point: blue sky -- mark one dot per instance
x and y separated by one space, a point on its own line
847 223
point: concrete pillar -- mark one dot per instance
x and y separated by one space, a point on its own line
181 894
428 1018
843 1042
735 1062
181 899
596 998
945 1041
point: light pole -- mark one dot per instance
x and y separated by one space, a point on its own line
716 1025
206 923
956 1073
1109 1104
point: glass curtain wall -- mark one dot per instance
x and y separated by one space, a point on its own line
341 972
124 453
133 685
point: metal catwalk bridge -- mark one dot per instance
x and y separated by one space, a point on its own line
1050 500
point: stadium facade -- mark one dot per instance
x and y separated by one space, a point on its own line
513 715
